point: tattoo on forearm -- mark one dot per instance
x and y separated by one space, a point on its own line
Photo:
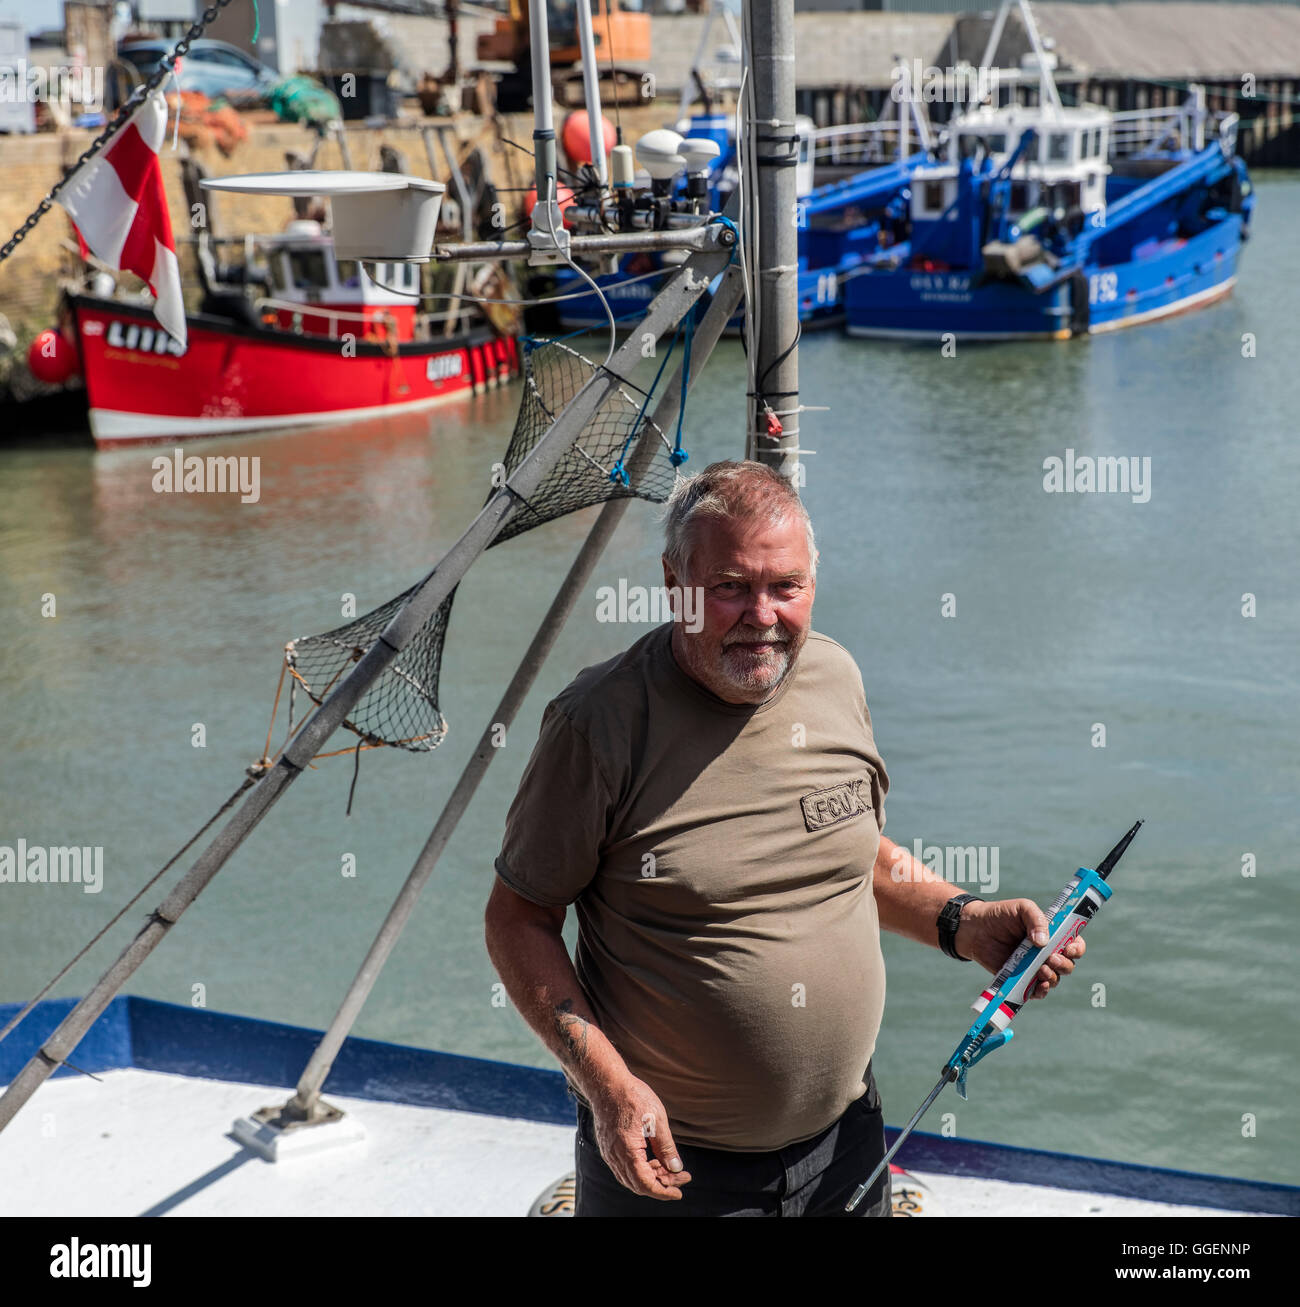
572 1029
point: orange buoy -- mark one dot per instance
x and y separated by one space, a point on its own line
575 136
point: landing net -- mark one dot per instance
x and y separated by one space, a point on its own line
600 465
607 461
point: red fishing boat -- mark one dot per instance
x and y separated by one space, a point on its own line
306 338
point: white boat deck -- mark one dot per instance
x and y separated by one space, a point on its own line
143 1142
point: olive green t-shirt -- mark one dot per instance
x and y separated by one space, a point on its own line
719 858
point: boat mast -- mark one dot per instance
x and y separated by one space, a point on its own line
766 119
1047 83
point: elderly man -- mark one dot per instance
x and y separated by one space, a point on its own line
711 802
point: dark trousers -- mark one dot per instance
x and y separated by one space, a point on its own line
813 1178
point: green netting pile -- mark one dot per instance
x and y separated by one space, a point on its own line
606 462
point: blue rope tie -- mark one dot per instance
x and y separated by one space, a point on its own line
618 473
726 222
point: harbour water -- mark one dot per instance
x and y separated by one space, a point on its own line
999 626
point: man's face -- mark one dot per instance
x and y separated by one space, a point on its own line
756 592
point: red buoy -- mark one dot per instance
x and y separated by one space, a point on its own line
52 358
575 136
562 194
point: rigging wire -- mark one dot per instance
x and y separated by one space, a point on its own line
591 281
613 73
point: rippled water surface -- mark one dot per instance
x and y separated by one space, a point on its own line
1072 612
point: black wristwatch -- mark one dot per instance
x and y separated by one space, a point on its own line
949 916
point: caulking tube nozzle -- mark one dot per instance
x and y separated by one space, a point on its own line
1109 861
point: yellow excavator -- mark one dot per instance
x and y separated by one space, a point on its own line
622 51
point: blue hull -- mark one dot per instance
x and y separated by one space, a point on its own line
1168 278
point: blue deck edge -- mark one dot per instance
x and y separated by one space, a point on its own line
151 1035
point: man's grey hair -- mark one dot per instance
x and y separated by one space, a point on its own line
747 492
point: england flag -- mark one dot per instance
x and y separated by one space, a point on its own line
118 205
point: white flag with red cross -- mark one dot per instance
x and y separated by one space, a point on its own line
120 209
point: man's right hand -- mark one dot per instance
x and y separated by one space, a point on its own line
635 1141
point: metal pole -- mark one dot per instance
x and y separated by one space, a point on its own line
771 36
672 303
591 91
303 1105
341 135
694 237
547 231
466 202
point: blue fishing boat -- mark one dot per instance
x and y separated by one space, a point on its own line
1051 221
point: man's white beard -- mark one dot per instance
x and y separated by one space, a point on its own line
749 672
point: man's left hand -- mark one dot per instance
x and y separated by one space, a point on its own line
988 933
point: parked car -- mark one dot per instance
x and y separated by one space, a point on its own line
212 68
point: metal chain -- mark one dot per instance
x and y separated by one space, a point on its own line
156 79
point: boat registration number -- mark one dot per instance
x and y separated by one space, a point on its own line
441 367
1103 287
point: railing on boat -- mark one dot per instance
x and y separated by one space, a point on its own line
266 305
1186 127
861 145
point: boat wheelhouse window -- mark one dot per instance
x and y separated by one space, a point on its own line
1058 147
934 197
1096 141
349 274
307 269
998 143
1067 195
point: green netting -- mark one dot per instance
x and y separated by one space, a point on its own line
401 708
